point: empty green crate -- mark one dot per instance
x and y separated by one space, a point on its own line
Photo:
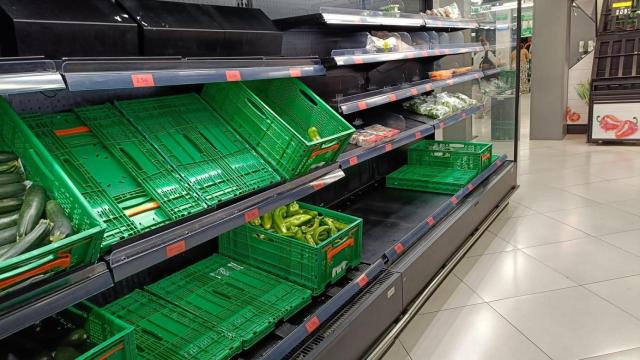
312 267
430 179
232 296
200 145
274 117
451 154
164 331
67 254
113 338
125 203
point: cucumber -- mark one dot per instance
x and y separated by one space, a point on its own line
32 240
61 223
8 235
75 338
8 220
6 156
10 178
31 210
10 205
12 190
9 167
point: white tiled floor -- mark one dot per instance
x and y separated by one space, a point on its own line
556 276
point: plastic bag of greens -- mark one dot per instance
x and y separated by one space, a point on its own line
453 103
436 111
465 99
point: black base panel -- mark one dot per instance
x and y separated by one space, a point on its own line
388 215
577 129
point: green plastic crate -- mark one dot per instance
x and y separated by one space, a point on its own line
431 179
274 117
79 249
164 331
115 194
200 145
460 155
312 267
239 299
114 338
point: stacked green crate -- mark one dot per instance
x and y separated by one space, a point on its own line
125 182
430 179
200 145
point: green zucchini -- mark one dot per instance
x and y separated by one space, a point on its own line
31 241
8 220
10 178
75 338
10 204
65 353
43 355
12 190
62 227
6 156
8 235
9 167
31 210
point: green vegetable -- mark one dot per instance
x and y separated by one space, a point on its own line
8 220
31 210
8 235
75 338
32 240
267 220
62 227
65 353
309 212
12 190
308 237
6 156
297 220
299 235
9 167
255 221
10 204
293 206
317 232
278 220
313 134
43 355
339 225
11 178
332 227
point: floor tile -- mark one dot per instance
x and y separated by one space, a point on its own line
598 220
631 206
606 191
474 332
587 260
508 274
629 241
396 352
633 354
452 293
488 243
547 198
571 323
533 230
513 209
560 178
624 293
612 171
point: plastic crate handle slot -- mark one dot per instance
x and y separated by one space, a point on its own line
137 210
333 251
254 106
52 262
132 159
40 163
308 97
112 351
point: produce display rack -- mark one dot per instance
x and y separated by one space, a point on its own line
402 251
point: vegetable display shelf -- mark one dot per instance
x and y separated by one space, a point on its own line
365 58
24 75
360 154
351 104
144 72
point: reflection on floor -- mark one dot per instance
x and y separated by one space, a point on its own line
556 276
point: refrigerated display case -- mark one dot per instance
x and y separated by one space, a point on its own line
394 73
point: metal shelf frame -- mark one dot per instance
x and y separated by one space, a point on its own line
344 60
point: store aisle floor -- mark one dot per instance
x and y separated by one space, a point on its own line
556 276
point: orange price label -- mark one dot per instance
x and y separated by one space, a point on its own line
388 147
177 248
353 161
398 248
142 80
251 214
233 75
312 324
363 280
293 72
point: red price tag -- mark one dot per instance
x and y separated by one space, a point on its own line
358 60
142 80
441 124
399 248
312 324
427 87
388 147
424 53
414 91
454 200
175 249
450 82
353 161
233 75
470 187
438 52
318 185
392 97
362 105
411 55
431 221
418 134
251 214
293 72
363 280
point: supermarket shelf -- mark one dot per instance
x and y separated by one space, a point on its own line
351 104
360 154
21 75
142 254
343 60
55 296
444 205
101 74
355 17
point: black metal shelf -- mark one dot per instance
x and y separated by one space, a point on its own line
24 75
53 297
